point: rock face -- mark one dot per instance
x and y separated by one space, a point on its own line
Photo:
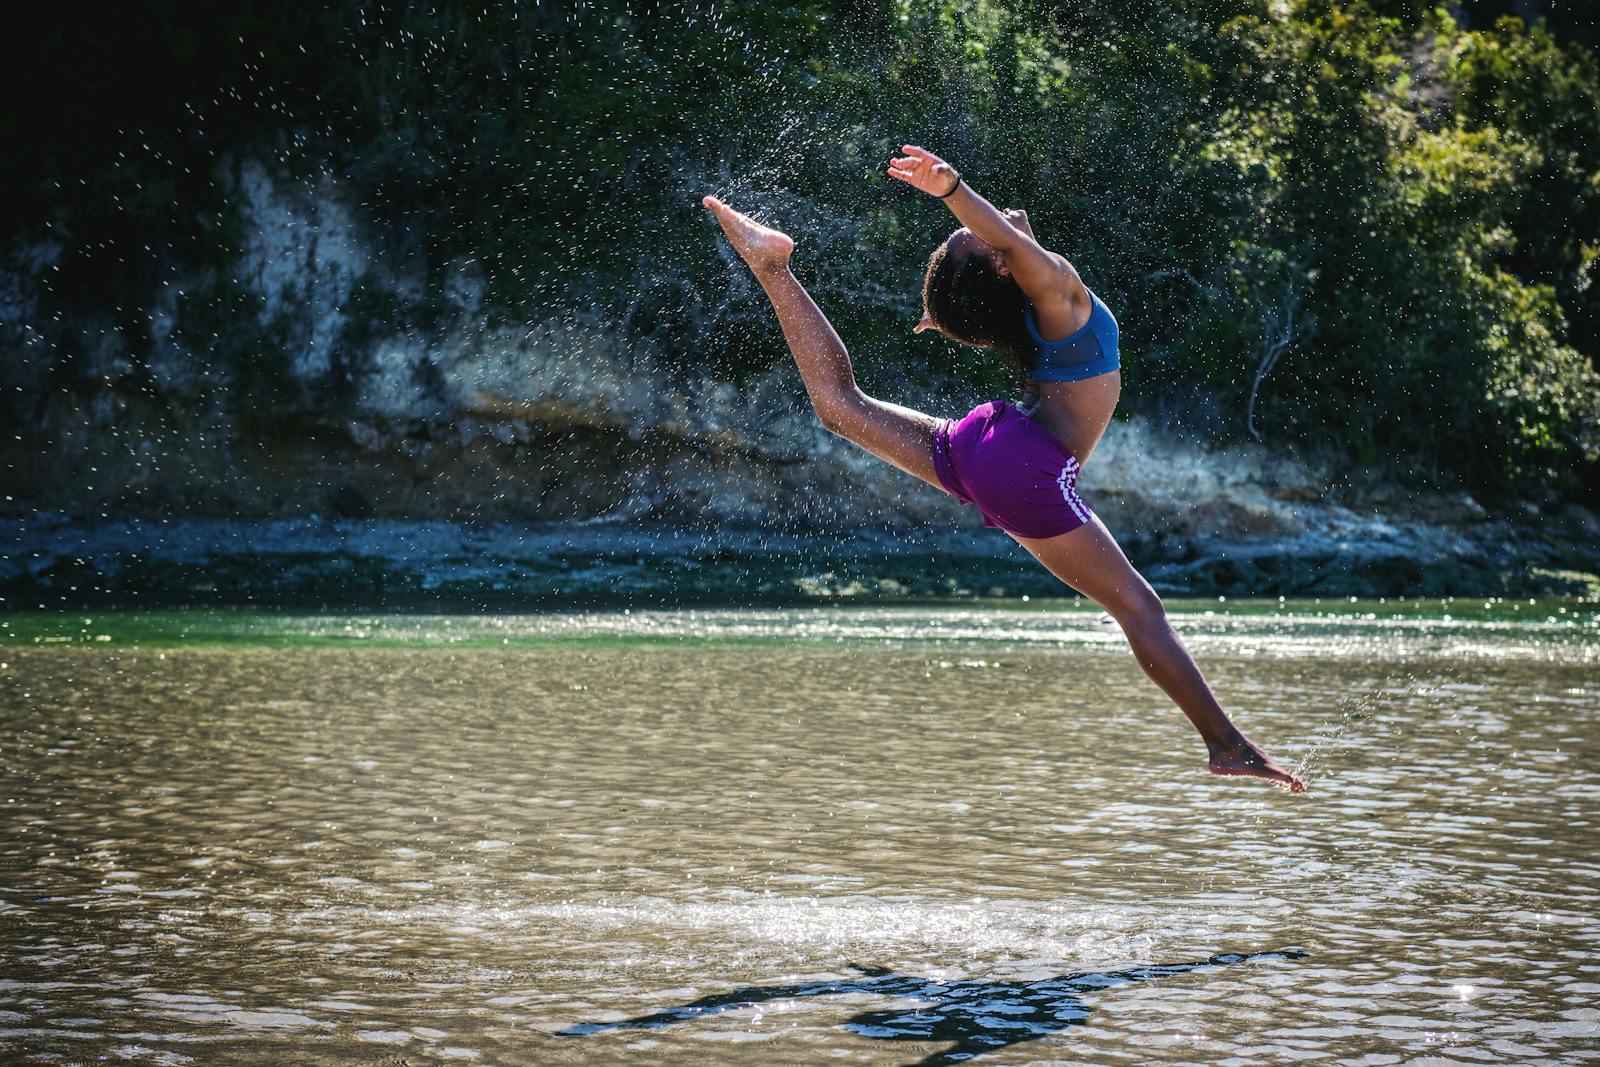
304 257
327 369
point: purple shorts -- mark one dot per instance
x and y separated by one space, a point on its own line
1023 480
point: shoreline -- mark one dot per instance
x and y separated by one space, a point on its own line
53 562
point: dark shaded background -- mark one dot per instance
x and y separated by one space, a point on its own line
1417 193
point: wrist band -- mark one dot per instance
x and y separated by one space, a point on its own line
953 188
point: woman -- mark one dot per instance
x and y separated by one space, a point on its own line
991 284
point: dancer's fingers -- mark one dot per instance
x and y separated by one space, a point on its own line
903 175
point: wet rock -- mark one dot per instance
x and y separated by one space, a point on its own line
51 561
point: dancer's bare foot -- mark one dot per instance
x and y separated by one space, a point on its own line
1245 758
760 246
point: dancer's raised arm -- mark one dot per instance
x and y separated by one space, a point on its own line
1050 283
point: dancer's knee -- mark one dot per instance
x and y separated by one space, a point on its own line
1138 606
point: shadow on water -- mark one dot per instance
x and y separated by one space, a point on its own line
977 1016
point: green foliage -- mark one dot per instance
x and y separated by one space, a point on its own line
1522 83
1406 212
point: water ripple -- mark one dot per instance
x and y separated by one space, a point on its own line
805 832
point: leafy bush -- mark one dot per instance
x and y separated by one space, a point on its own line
1349 225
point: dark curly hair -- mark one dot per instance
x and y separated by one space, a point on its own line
968 301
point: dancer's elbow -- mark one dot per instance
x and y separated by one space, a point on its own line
832 420
835 410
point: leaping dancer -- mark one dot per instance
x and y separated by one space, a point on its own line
990 284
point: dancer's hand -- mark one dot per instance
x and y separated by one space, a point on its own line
924 171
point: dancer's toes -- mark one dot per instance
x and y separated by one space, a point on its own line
760 246
1246 759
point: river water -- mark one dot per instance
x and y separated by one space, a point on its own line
854 835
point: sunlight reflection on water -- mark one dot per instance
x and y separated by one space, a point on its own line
430 841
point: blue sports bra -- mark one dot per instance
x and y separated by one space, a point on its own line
1089 352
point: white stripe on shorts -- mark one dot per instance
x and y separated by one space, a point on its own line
1069 491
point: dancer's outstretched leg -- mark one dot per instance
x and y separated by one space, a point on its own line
897 434
1090 561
